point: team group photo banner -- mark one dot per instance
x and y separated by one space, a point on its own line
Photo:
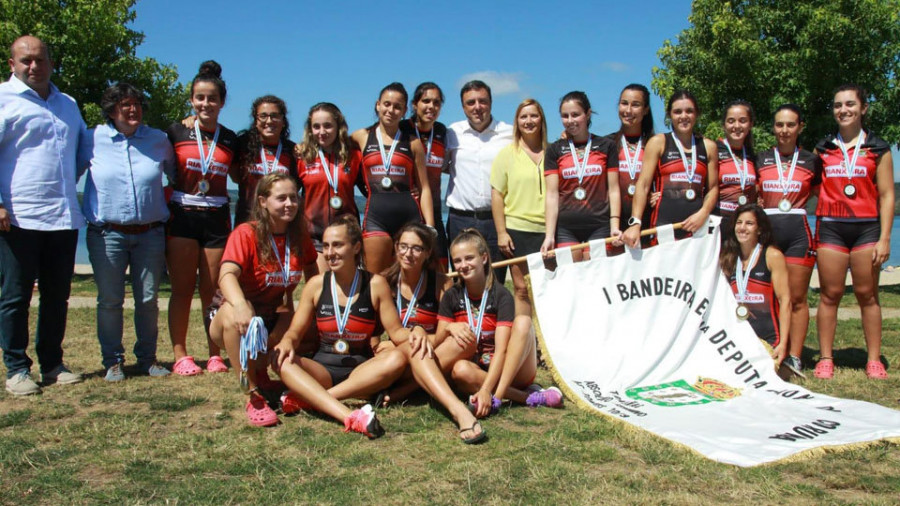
650 337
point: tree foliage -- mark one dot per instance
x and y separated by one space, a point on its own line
770 52
92 48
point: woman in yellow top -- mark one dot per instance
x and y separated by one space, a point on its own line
517 204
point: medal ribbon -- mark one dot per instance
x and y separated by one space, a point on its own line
430 141
741 173
332 179
476 325
386 158
630 162
341 319
691 169
207 158
262 158
850 162
582 165
742 277
410 308
254 342
785 183
286 264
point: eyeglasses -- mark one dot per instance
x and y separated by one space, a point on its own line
402 248
124 105
274 117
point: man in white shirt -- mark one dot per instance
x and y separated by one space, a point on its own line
473 144
43 143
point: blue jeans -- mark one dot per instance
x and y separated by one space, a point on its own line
49 258
456 224
111 252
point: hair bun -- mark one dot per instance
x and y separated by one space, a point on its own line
210 68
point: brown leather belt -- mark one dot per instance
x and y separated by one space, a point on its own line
134 229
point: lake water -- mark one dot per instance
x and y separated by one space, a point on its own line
81 256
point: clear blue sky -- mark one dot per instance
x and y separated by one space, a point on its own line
346 51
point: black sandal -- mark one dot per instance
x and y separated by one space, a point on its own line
378 401
477 438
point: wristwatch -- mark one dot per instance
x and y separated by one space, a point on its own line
633 221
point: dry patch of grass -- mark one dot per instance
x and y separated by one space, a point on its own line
185 440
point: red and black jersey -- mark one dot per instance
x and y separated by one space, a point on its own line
625 179
499 311
189 170
403 165
761 301
672 181
730 179
360 324
425 313
263 284
248 175
434 160
833 203
807 175
603 158
317 192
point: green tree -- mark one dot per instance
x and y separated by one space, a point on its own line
92 48
774 51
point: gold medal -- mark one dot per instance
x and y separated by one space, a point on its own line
850 190
631 189
341 347
742 312
785 206
336 202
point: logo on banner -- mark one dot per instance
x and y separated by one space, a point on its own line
680 393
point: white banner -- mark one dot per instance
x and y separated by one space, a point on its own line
651 337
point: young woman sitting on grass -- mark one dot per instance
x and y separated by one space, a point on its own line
417 283
473 335
262 264
346 304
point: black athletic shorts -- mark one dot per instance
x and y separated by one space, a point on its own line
338 366
386 213
526 243
847 236
208 226
566 236
794 238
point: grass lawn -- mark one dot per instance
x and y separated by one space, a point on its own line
185 440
